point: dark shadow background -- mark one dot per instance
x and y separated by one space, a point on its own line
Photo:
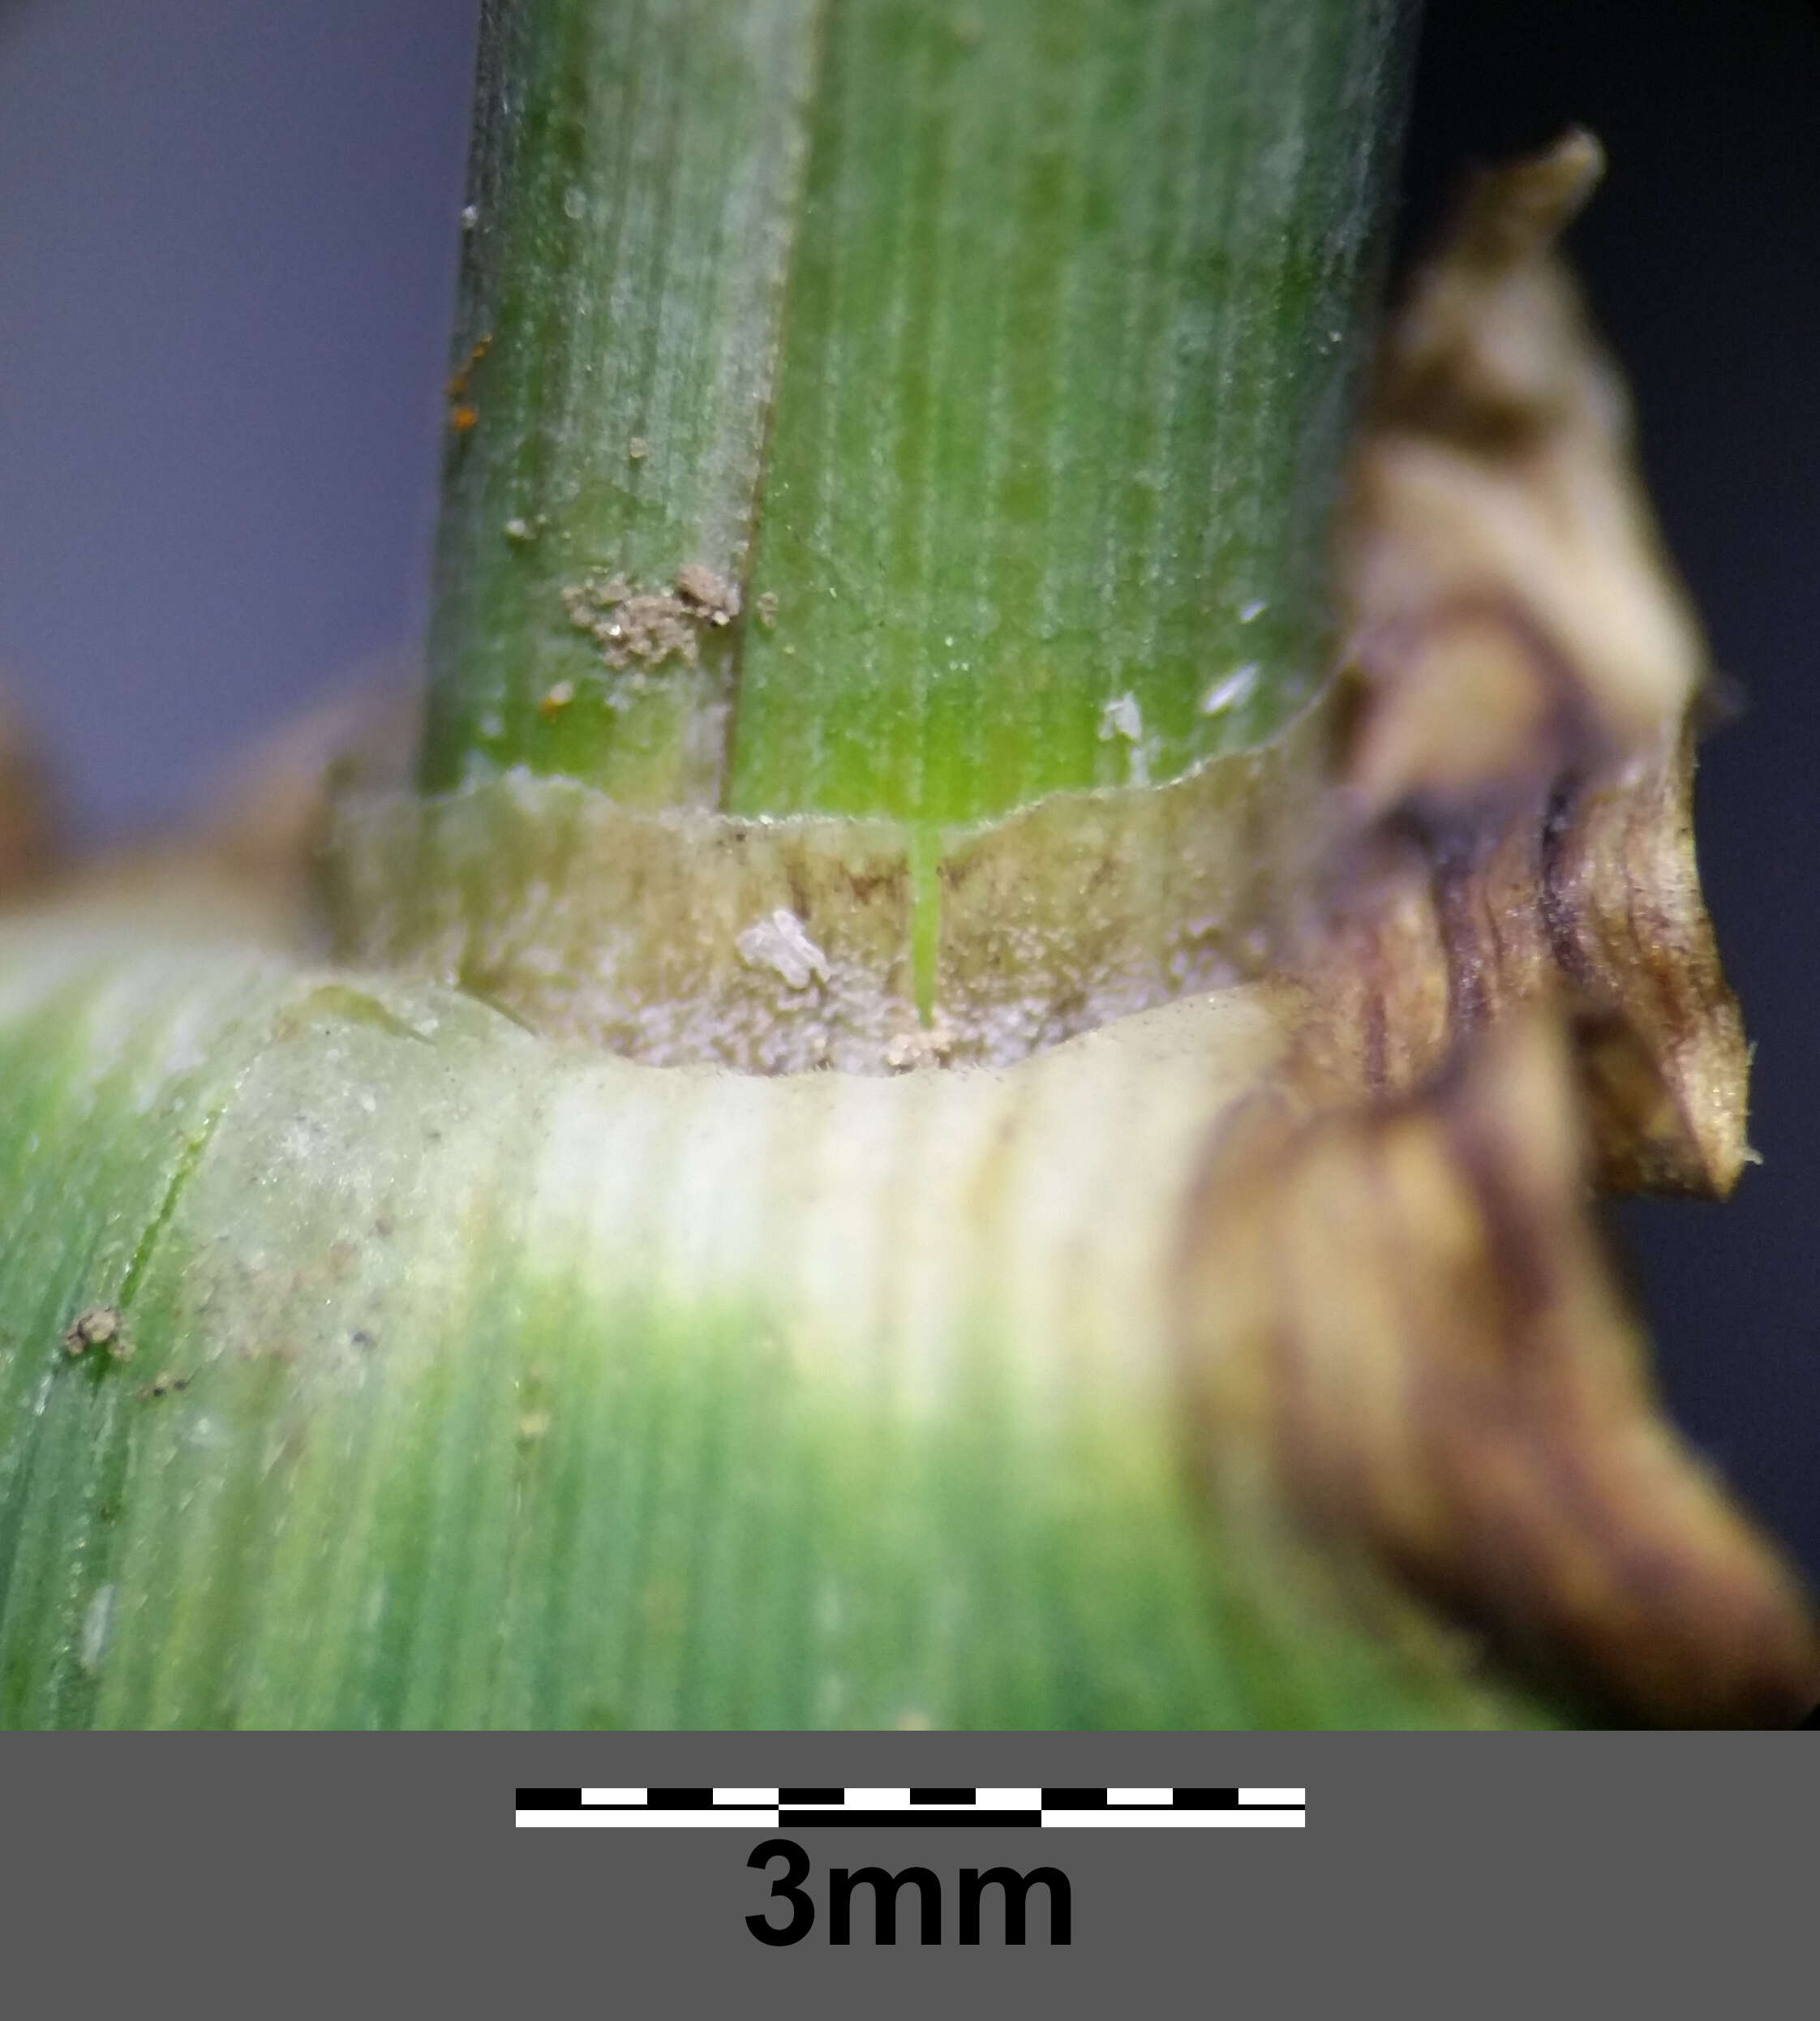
227 254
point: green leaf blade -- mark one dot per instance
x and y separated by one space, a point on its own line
513 1388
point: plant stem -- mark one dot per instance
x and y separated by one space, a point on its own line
1076 305
633 178
1052 311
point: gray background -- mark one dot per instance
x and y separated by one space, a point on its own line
1474 1875
227 247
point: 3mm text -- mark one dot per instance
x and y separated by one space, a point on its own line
883 1888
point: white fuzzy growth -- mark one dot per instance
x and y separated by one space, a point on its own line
779 942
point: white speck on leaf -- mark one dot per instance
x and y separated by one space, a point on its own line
97 1618
1121 717
1236 688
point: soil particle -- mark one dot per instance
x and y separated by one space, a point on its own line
713 596
638 629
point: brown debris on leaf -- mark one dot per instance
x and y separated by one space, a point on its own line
266 819
246 860
27 827
1517 769
98 1326
712 598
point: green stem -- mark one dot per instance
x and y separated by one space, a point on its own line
999 357
632 187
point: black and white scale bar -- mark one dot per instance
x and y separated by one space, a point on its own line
787 1809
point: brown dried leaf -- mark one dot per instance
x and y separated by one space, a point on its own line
244 861
1394 1312
1399 1313
1518 771
28 828
1495 494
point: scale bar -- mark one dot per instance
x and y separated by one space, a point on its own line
802 1809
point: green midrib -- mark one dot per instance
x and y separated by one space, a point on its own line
1004 355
